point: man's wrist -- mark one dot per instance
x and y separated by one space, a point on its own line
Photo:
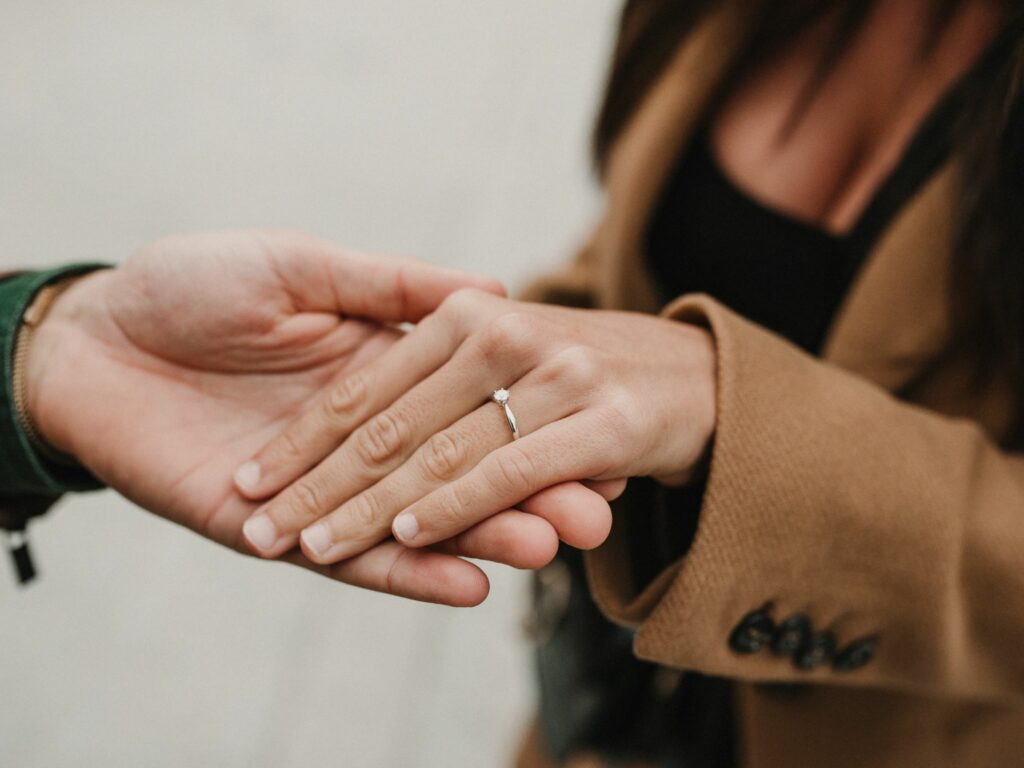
25 336
53 324
23 469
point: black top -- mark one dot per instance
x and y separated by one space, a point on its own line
709 236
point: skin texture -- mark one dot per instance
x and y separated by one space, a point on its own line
828 167
161 376
599 395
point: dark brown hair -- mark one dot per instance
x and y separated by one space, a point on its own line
988 257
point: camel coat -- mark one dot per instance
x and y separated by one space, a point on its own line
870 490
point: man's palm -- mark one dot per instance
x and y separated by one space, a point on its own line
218 358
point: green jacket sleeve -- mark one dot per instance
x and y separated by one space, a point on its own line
29 483
23 471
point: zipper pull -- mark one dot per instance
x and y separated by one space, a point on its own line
17 545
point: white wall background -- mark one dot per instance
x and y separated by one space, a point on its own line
451 129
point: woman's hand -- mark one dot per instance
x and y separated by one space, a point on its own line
598 396
164 374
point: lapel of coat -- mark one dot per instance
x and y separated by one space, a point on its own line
895 316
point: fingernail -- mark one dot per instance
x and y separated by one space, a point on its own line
317 539
405 527
260 532
247 476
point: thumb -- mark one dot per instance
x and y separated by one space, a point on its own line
321 277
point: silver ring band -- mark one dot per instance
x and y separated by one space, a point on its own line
501 397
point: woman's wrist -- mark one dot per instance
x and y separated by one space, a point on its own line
692 413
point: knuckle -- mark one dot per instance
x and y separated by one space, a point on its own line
366 510
458 303
345 400
307 500
381 439
575 367
515 325
513 335
443 456
449 512
288 448
620 417
511 473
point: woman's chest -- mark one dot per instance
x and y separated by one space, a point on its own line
815 137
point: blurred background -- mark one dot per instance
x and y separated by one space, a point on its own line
455 130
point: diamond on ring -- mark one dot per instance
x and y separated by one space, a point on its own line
501 397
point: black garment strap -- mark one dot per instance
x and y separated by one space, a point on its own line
15 514
21 556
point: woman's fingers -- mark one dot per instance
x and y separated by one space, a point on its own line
377 448
573 447
352 402
342 408
366 518
425 575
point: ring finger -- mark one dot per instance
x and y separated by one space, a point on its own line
539 398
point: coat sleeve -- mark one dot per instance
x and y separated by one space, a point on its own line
897 532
